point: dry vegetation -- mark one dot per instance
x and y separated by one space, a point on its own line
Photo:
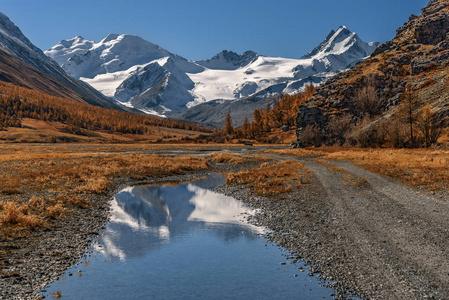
31 116
41 183
272 179
226 157
419 167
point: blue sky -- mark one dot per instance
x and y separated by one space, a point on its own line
198 29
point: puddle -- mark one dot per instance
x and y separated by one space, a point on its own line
184 242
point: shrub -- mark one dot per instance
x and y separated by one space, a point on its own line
312 135
339 127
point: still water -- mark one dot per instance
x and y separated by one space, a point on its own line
184 242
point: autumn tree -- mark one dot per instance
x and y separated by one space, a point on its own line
430 125
257 125
229 126
409 112
366 99
246 127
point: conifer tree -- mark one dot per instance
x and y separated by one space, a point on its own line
229 126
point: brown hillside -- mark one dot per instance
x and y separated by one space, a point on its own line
370 94
15 71
30 116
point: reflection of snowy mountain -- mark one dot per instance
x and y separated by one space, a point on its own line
145 218
148 77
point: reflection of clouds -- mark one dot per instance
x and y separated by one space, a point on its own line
110 249
143 219
211 207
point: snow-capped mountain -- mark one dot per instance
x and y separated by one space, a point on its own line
228 60
157 87
341 49
29 62
147 77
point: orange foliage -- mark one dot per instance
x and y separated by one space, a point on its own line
283 112
18 102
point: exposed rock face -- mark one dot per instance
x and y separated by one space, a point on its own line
229 60
419 55
24 64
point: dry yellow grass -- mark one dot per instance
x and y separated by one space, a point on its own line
43 183
419 167
230 158
272 179
226 157
300 152
12 214
426 168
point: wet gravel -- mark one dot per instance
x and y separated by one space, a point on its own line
377 240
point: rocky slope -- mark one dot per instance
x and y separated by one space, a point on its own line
147 77
23 63
418 56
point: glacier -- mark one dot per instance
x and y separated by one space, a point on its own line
145 76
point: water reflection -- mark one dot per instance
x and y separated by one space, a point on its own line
183 242
145 218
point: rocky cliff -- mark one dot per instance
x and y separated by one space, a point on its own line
418 57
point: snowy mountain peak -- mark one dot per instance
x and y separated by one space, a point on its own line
229 60
86 59
110 37
341 41
148 77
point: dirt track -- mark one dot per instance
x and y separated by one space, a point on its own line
377 238
399 236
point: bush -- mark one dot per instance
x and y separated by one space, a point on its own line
339 128
312 135
369 133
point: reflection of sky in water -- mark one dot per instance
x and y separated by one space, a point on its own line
147 217
183 242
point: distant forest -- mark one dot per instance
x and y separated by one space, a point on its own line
17 103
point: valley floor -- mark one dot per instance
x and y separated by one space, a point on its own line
363 233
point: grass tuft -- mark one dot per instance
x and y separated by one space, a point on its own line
13 214
271 179
57 294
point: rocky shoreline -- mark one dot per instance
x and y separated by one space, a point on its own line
41 257
292 232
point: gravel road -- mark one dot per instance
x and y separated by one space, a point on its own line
364 234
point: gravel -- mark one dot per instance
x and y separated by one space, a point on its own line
376 240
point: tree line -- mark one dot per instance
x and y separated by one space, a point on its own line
277 115
17 103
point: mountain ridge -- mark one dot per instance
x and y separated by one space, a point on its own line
27 65
112 64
